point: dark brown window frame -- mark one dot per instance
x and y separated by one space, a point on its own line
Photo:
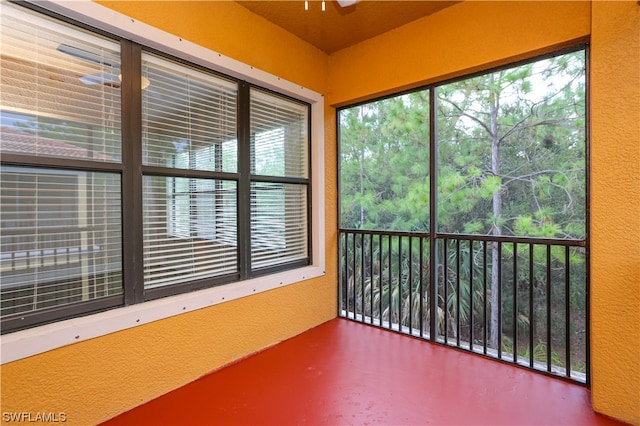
132 170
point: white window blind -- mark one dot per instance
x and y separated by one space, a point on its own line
60 89
278 223
60 227
279 209
279 136
188 225
189 117
61 238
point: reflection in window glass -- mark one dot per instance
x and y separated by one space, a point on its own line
278 223
189 118
279 152
61 238
269 152
66 183
279 136
68 80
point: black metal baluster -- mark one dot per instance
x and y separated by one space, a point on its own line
346 275
380 287
471 295
500 300
363 275
515 303
567 307
400 283
458 325
371 271
355 276
587 313
340 273
410 285
484 297
390 262
531 308
446 291
421 288
549 308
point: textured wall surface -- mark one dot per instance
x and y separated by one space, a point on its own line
94 380
615 206
467 37
448 44
230 29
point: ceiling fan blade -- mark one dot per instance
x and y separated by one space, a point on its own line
347 3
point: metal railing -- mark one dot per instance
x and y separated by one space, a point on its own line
516 299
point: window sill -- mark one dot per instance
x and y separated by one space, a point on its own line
37 340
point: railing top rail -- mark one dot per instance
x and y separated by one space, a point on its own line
384 232
469 237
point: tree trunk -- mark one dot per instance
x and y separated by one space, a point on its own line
361 157
497 213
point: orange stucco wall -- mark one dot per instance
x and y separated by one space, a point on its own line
467 37
615 209
96 379
230 29
476 35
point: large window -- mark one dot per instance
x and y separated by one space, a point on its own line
129 175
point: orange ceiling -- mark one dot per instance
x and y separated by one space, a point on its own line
338 27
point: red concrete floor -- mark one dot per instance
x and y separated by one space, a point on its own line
344 372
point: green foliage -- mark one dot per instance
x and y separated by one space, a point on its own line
511 149
531 119
489 186
377 140
472 227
